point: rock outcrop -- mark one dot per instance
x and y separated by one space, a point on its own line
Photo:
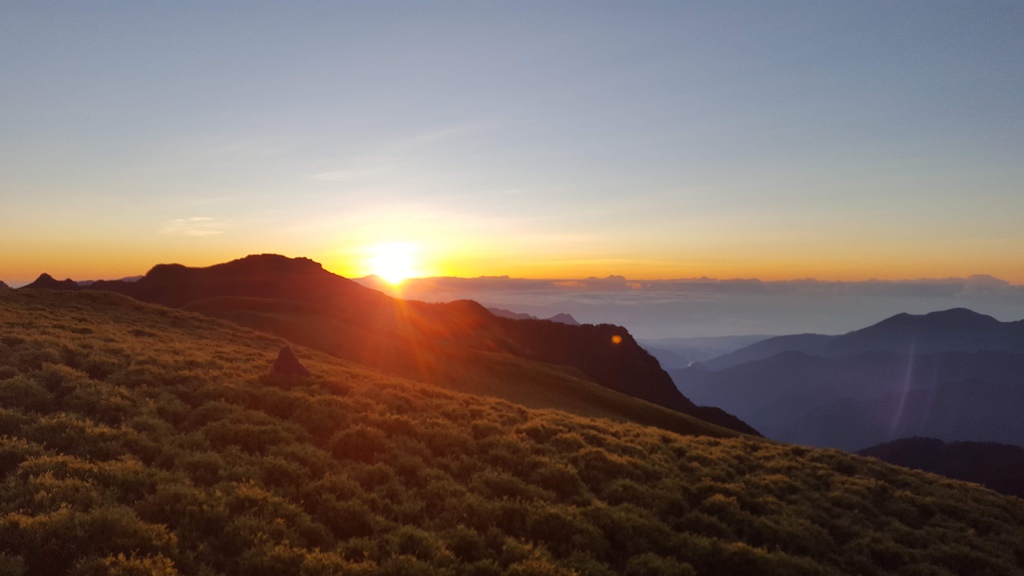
287 363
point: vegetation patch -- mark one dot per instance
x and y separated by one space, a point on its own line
156 442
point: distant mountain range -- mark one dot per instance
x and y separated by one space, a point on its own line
955 375
442 343
560 318
997 466
956 330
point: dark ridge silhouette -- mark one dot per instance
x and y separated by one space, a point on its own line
612 357
955 330
287 363
3 285
996 466
258 276
47 282
299 300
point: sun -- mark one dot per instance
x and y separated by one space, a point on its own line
393 261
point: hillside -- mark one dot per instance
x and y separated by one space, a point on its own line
299 300
997 466
136 439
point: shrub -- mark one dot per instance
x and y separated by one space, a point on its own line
359 443
122 565
653 565
25 393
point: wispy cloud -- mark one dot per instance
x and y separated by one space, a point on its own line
198 226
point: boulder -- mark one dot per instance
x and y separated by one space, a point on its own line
287 363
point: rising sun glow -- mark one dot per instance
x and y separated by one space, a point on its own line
393 261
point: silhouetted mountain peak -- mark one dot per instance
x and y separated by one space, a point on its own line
3 285
273 263
954 318
166 272
249 265
958 329
961 317
47 282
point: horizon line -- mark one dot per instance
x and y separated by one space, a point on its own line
992 280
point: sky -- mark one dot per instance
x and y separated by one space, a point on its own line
654 140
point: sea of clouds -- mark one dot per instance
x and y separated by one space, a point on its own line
710 307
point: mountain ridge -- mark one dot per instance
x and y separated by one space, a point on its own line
410 335
955 329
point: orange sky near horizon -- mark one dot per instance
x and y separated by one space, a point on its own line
25 265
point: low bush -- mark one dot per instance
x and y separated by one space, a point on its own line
141 440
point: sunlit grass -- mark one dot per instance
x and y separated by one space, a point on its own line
136 439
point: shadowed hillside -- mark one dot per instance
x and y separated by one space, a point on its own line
298 299
997 466
146 440
870 398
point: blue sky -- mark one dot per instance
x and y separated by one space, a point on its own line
542 139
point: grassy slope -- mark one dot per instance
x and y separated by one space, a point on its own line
141 440
501 375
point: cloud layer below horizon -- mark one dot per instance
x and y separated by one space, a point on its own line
709 307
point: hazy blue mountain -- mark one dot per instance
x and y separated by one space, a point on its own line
952 375
996 466
955 330
813 344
